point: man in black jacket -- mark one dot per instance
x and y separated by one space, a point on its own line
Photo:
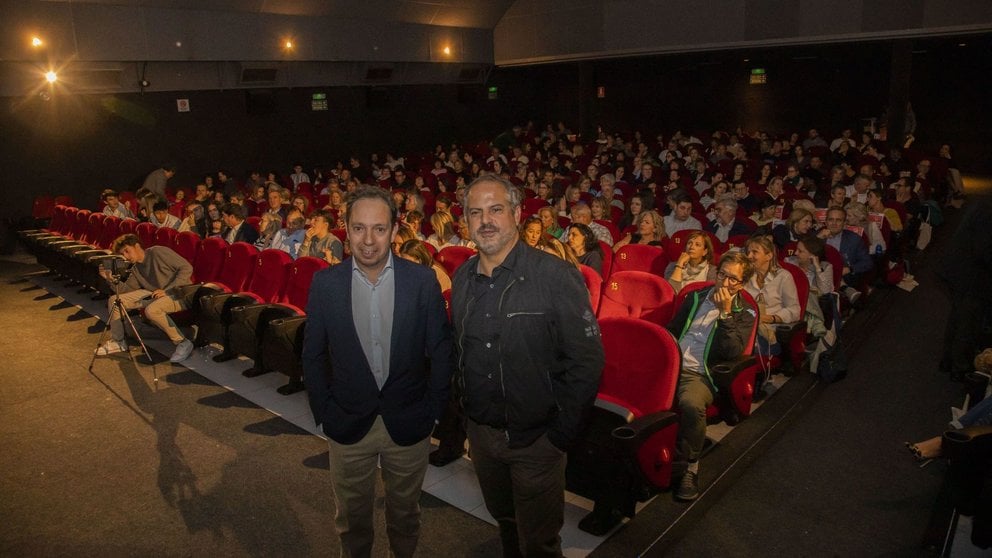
712 325
529 362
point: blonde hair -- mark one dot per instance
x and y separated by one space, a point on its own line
766 243
659 223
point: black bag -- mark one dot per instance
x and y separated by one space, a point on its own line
832 366
828 361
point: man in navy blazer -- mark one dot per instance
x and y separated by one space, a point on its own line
857 261
377 367
237 229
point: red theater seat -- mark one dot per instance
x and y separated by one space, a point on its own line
640 257
637 294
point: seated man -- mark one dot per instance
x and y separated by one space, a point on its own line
319 241
726 224
162 218
155 275
857 261
712 326
236 230
290 238
195 220
681 219
114 206
582 213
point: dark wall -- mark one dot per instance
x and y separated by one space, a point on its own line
81 144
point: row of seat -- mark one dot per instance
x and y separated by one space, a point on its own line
252 303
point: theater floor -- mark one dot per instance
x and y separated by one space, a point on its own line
110 463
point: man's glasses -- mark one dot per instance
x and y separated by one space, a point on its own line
730 279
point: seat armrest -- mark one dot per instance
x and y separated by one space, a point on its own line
723 373
288 325
973 442
632 435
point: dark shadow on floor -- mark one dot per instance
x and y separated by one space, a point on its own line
226 400
275 426
319 461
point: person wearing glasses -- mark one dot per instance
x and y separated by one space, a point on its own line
712 325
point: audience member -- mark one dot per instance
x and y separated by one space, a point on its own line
236 229
113 205
319 241
650 231
857 261
712 325
156 273
290 238
725 224
585 246
161 217
694 264
681 219
774 289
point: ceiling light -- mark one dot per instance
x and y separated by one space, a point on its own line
288 45
51 76
447 50
36 42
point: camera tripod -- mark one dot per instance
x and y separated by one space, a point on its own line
126 320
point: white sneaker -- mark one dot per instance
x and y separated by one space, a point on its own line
110 347
183 349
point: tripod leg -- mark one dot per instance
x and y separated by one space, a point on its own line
134 360
99 343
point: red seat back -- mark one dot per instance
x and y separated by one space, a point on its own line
80 225
614 231
42 207
239 262
640 257
210 256
128 226
594 283
111 230
185 244
640 374
165 236
94 228
63 200
269 276
607 251
146 234
735 242
451 257
300 275
637 294
642 365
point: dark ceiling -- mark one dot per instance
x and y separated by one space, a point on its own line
479 14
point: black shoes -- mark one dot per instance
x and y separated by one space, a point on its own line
688 489
440 457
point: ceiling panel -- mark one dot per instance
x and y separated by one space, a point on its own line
481 14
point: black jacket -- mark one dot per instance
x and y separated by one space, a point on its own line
550 350
727 339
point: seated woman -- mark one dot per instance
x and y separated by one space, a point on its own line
585 246
444 231
532 233
857 216
414 251
550 222
811 257
637 204
600 212
798 225
764 216
650 231
302 203
695 263
773 289
876 205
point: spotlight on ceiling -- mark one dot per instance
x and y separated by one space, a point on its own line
288 44
144 83
36 42
51 76
447 50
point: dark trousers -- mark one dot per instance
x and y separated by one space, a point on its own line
961 336
524 490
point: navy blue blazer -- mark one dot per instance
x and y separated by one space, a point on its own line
344 397
854 252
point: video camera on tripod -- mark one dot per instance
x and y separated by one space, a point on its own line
120 269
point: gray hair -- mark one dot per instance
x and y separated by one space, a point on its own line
512 192
726 201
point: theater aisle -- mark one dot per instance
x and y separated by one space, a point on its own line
111 463
839 482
